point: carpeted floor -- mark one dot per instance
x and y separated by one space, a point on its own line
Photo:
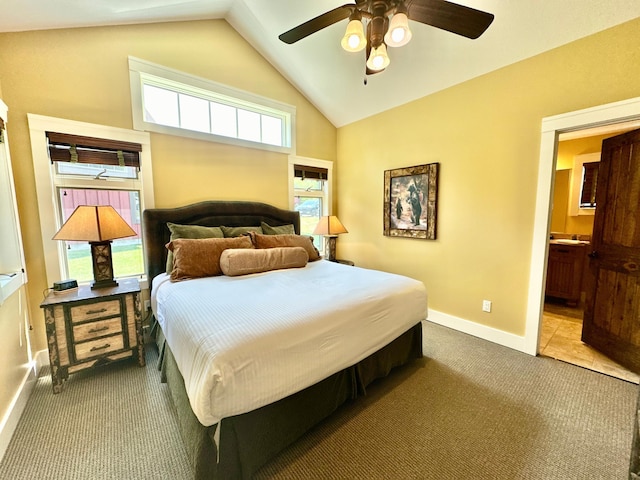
469 410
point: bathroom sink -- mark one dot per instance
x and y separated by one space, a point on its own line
567 241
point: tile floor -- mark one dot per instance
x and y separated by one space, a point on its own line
560 339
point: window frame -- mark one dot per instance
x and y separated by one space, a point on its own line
46 187
142 72
326 195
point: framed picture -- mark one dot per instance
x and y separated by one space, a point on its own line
410 201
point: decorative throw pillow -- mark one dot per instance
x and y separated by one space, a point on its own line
234 262
189 231
230 232
195 258
279 230
273 241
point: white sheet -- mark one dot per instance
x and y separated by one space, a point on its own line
244 342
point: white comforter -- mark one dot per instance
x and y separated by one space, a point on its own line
244 342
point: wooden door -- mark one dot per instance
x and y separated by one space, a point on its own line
612 310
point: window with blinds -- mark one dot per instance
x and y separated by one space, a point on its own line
310 198
589 184
96 171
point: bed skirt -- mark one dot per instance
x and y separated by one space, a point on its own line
248 441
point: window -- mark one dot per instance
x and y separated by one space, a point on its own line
310 182
589 184
84 164
173 102
92 171
584 179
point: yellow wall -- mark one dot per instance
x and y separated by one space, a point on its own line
485 133
82 74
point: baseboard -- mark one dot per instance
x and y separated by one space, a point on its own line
10 420
477 330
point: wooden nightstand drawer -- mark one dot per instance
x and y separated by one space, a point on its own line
91 311
99 328
96 348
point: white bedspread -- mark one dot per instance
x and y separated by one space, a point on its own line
244 342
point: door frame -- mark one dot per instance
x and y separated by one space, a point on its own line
552 127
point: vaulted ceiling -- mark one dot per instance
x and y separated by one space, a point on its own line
332 79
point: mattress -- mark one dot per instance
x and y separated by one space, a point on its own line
244 342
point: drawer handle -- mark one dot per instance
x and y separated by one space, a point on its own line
106 345
92 312
100 329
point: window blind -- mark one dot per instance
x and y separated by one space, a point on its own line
589 183
305 171
75 148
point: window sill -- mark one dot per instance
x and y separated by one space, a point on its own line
9 284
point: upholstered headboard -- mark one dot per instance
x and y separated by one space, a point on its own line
211 214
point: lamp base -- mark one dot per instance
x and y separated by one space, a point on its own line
104 284
330 248
102 265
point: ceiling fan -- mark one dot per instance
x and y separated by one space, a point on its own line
387 25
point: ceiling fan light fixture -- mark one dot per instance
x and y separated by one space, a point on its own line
399 32
354 39
378 58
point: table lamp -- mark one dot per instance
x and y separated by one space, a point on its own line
97 225
330 227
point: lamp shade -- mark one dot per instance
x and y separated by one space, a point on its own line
399 33
94 223
378 58
354 39
329 225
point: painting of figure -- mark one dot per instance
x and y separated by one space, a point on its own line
410 201
408 195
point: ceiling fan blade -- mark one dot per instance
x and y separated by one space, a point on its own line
315 24
454 18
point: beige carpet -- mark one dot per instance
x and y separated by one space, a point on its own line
470 410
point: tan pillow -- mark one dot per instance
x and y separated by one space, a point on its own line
235 262
273 241
195 258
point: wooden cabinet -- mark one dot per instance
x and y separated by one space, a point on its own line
564 271
87 328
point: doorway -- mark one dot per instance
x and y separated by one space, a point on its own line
584 122
572 217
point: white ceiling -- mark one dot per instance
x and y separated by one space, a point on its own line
331 78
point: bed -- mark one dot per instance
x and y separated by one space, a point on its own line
232 437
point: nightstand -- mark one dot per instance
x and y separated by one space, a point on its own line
87 328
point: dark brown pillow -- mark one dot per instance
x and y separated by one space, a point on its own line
244 261
195 258
273 241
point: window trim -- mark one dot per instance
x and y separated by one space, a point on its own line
46 188
198 86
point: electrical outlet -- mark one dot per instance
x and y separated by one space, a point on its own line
486 306
147 305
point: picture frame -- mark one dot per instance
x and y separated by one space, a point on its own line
411 201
